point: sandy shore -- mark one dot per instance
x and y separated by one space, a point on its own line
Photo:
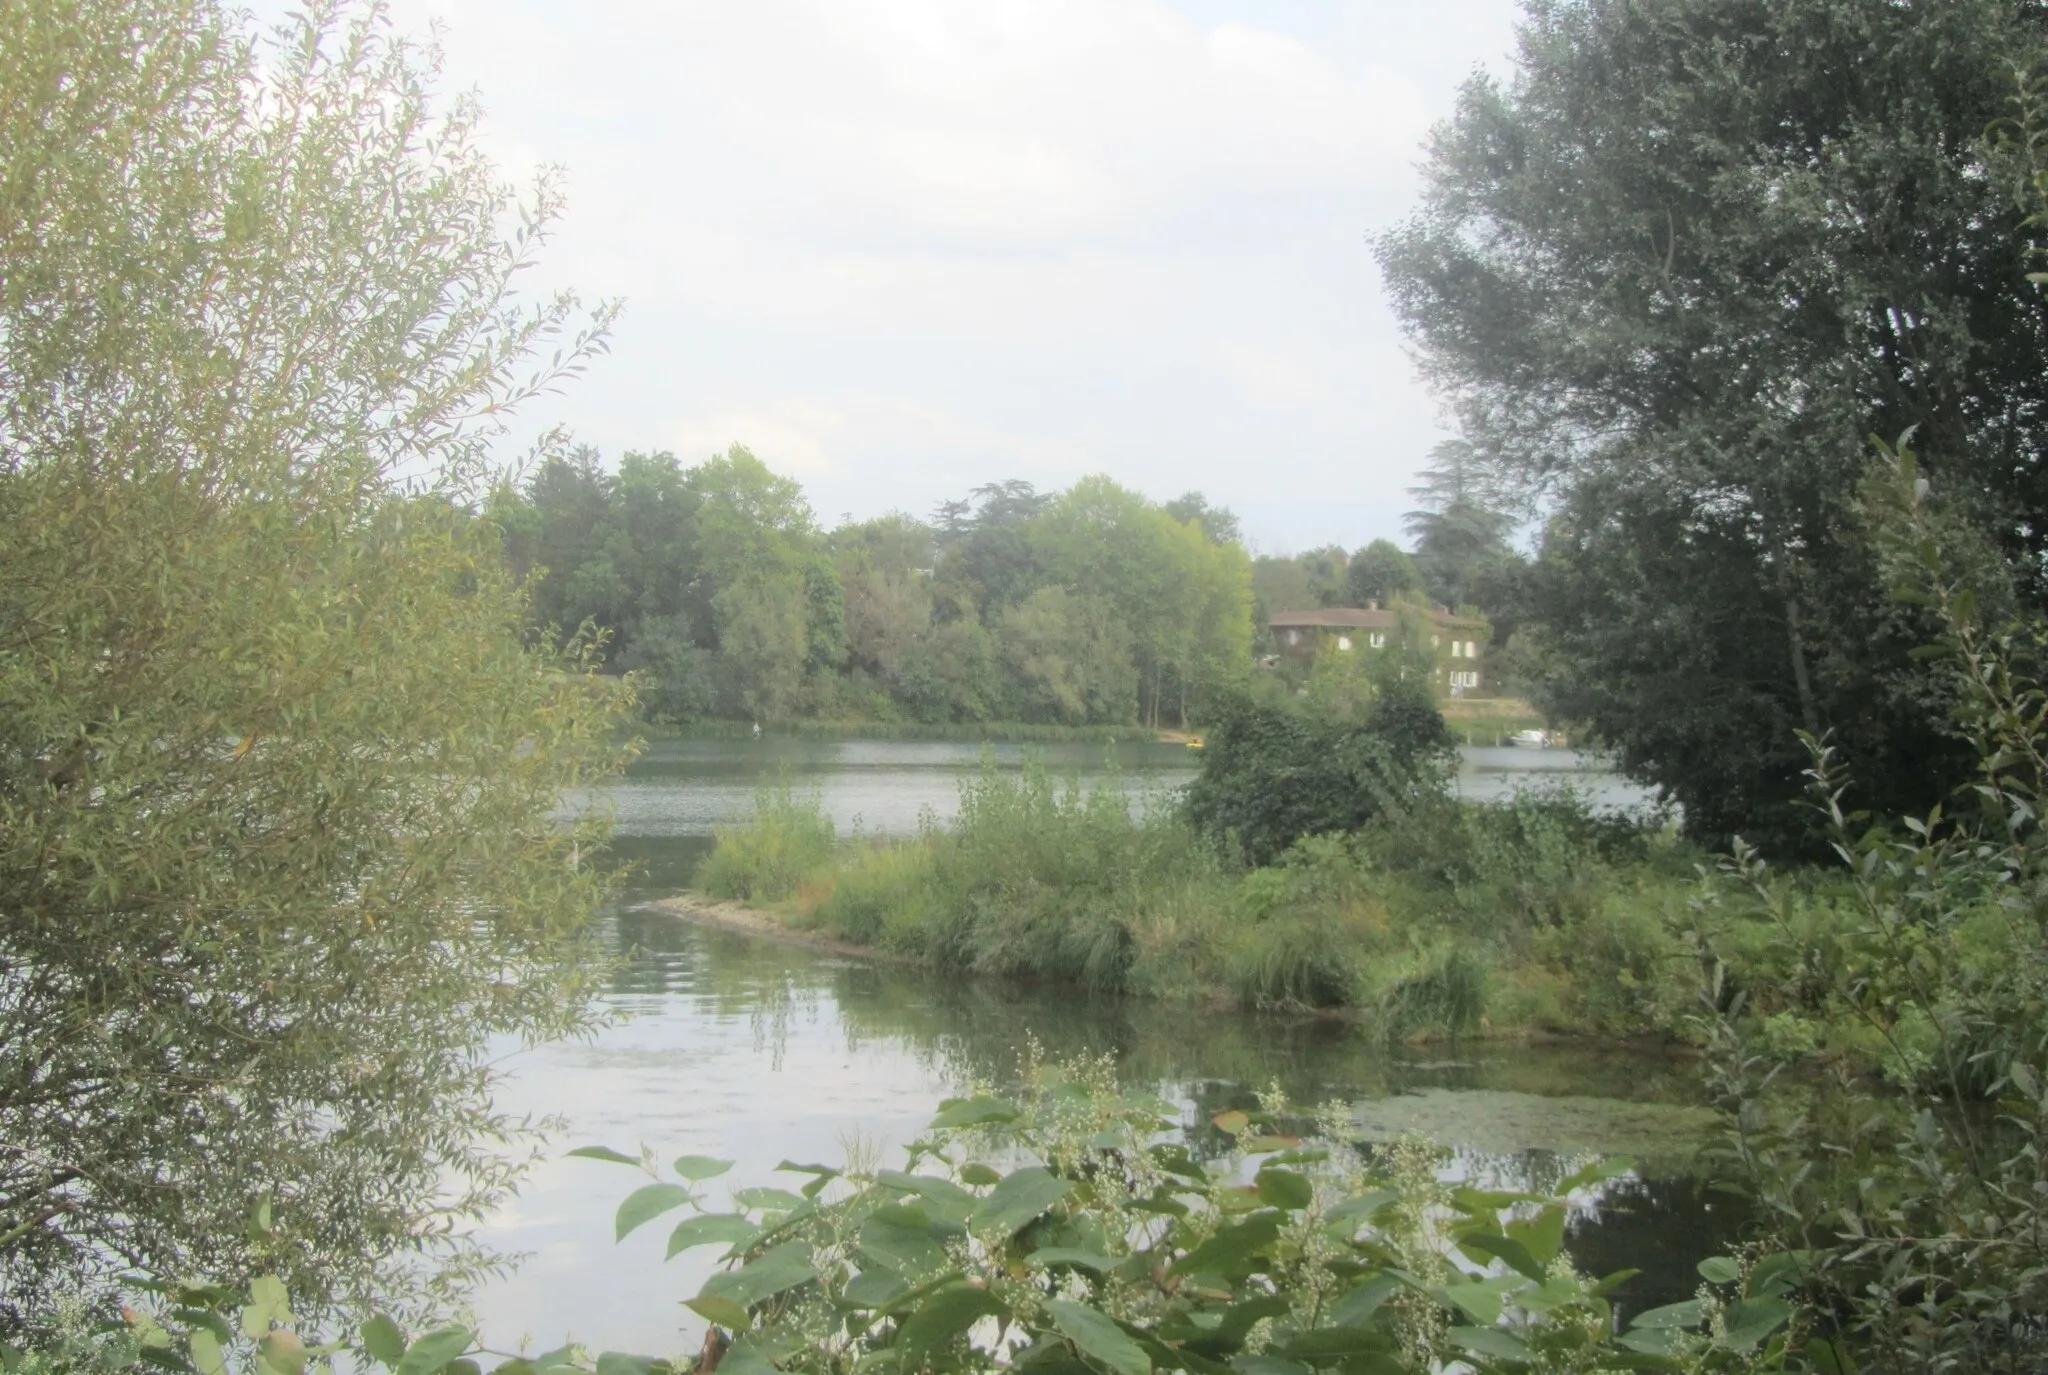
752 921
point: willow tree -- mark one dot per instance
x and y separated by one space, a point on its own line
277 765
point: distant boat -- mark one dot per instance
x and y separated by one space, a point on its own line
1530 739
1194 742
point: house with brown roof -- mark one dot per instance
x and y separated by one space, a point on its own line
1455 640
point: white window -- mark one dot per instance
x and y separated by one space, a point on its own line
1471 650
1343 642
1378 640
1457 649
1294 637
1434 641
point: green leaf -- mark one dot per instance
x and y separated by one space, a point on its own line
268 1304
957 1113
719 1312
1542 1235
1489 1341
1227 1252
1829 1359
1022 1196
382 1340
604 1153
1049 1256
781 1268
1286 1190
1323 1345
941 1319
710 1229
877 1288
768 1200
1748 1321
746 1356
698 1168
619 1363
949 1198
1497 1247
208 1357
1599 1172
434 1351
463 1366
1719 1270
900 1237
1266 1365
647 1203
1098 1338
980 1175
1687 1314
1361 1303
1233 1122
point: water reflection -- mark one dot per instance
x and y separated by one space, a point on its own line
761 1052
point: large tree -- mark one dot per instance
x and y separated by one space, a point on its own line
1673 272
278 766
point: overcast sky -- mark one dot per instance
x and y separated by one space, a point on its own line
903 247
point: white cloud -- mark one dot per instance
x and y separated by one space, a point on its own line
1073 234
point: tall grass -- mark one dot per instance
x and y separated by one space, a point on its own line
1446 919
788 840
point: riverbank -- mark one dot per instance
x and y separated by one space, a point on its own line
992 732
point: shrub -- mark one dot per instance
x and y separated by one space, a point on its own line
765 859
1272 774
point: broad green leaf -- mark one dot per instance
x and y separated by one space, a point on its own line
1542 1236
1719 1270
1098 1337
781 1268
957 1113
877 1288
1496 1247
698 1168
1227 1252
1748 1321
948 1198
1285 1189
1233 1122
462 1365
711 1229
619 1363
1489 1341
718 1311
941 1318
768 1200
980 1175
1600 1171
646 1203
435 1350
604 1153
1361 1303
1021 1196
382 1340
268 1304
1094 1264
901 1238
1323 1345
1266 1365
208 1358
1687 1314
745 1356
1238 1320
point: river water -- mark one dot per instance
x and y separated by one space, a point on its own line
761 1052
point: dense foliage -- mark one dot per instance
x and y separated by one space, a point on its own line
1089 606
1672 272
1273 774
276 770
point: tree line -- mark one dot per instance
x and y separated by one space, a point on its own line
715 583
